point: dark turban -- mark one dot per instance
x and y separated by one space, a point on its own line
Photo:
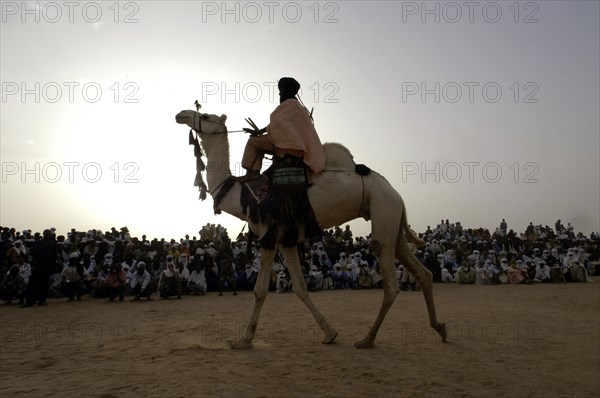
288 88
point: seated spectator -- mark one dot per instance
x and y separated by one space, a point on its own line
73 278
517 275
317 275
564 267
376 277
528 267
116 282
12 255
249 276
140 282
169 283
365 280
283 282
309 279
408 282
481 273
542 272
339 277
182 269
577 272
446 275
99 287
328 280
24 269
197 283
12 285
465 274
500 272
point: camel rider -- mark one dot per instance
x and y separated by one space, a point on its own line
290 132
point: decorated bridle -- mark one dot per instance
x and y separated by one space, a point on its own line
194 140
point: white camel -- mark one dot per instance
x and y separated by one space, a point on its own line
337 195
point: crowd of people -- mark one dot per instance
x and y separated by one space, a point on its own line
113 264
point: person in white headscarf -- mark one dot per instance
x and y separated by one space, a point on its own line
169 283
24 269
12 255
182 268
474 258
317 275
12 285
481 273
465 274
446 275
282 283
73 278
577 272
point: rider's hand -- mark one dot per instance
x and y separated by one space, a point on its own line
254 132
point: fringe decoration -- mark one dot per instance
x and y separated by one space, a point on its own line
287 206
269 239
200 166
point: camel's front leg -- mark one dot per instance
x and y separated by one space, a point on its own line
261 289
293 263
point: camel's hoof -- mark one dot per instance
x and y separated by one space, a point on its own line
441 329
364 344
240 345
329 337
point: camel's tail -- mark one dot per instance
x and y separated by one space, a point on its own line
410 235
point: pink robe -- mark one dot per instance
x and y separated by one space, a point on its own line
291 131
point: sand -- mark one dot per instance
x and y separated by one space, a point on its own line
504 341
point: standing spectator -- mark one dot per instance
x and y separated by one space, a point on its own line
45 259
226 264
503 227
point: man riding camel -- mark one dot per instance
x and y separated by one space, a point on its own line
290 132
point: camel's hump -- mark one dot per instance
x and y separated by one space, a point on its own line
337 155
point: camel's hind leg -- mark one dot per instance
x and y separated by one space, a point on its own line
293 263
261 289
385 257
425 278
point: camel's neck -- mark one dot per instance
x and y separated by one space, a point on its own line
217 153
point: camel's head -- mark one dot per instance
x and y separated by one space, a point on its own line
203 123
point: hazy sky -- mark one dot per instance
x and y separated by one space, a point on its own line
474 111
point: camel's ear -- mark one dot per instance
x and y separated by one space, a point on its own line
223 118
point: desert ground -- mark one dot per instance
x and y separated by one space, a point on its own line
503 341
